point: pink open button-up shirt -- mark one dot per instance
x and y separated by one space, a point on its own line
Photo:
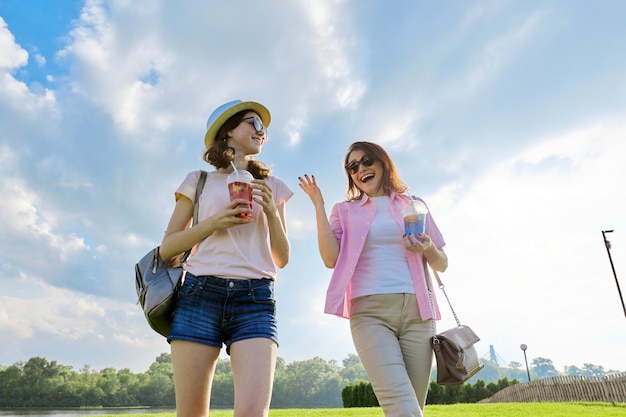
350 222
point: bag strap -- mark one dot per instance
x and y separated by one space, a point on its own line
196 206
430 296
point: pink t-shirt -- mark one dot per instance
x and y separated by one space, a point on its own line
350 222
238 252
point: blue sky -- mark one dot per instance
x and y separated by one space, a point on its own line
507 117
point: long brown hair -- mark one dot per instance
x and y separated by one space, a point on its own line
391 180
220 154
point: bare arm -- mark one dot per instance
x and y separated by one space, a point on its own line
279 243
437 258
326 241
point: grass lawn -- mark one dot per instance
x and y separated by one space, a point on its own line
454 410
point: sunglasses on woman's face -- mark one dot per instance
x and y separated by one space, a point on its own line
353 167
256 123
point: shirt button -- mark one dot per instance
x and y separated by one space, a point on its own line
231 284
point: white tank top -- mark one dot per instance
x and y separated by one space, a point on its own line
382 267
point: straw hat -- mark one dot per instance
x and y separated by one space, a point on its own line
225 111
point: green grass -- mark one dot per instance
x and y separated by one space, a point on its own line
455 410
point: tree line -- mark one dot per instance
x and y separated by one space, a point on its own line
361 394
312 383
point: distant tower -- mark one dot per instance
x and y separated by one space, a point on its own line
494 357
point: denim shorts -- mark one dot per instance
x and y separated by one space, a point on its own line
215 311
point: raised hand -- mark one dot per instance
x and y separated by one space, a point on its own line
309 186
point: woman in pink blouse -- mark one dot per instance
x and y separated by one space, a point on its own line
378 280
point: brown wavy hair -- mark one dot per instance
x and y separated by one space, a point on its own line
391 180
220 154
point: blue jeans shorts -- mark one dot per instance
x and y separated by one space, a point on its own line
215 311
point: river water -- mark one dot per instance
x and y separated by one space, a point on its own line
79 412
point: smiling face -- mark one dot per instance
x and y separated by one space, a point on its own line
245 139
371 171
368 179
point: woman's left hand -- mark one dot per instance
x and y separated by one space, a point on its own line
262 194
414 245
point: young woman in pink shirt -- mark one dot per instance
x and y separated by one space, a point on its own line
378 279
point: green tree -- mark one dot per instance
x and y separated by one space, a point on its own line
310 383
93 397
452 394
465 393
573 371
359 394
110 385
33 379
158 388
43 382
129 387
544 368
474 393
223 391
11 392
435 393
164 358
593 370
353 369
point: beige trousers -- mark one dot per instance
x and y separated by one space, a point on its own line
393 343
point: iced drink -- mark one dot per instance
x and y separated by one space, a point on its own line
240 186
414 218
414 224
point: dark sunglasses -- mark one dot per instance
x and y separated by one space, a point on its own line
256 123
353 167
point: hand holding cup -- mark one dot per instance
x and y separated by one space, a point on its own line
414 214
240 187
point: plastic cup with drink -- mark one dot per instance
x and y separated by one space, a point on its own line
240 186
414 215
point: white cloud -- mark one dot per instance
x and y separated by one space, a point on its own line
14 93
24 222
40 59
335 52
12 56
49 311
524 241
111 70
61 316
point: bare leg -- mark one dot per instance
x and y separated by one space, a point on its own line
194 366
253 362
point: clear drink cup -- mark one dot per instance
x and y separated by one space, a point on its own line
240 186
414 214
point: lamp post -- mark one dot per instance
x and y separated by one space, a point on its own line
524 347
607 244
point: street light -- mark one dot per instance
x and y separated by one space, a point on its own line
607 244
524 347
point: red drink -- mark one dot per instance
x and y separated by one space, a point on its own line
240 186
